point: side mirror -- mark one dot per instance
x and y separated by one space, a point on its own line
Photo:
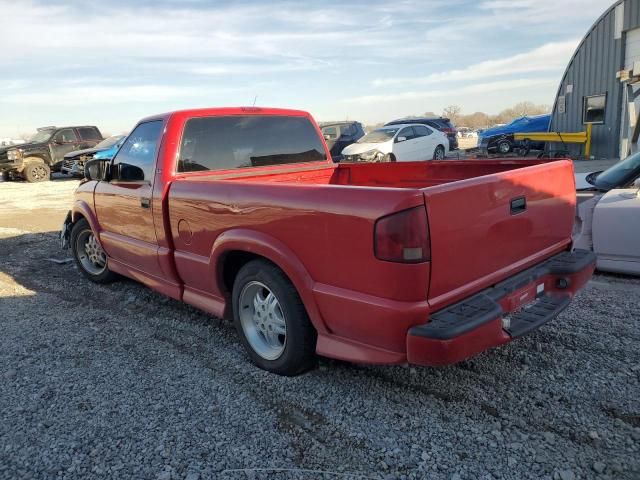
95 170
327 137
400 139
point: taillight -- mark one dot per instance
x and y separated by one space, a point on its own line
403 237
452 131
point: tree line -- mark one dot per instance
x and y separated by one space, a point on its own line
478 120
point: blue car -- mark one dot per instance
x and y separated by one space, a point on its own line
73 163
500 139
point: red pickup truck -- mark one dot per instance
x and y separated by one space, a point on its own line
241 213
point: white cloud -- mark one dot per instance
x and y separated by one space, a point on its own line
547 58
501 85
101 95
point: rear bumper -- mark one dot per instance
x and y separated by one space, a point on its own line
501 313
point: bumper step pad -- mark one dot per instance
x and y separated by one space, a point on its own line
540 311
459 318
475 311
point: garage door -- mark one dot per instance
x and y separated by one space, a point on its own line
632 48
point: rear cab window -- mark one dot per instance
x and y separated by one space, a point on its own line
89 133
244 141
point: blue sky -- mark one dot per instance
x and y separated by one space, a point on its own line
110 63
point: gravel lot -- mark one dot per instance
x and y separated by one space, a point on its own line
119 382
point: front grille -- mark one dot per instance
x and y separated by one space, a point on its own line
68 164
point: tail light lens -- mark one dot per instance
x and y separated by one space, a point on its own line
403 237
451 131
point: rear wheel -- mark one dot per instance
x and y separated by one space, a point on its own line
438 153
89 255
271 320
36 172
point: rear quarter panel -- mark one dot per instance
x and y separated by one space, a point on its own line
327 229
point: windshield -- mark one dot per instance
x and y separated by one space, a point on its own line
41 136
108 142
379 136
618 175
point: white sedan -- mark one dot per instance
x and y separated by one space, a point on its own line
608 216
399 143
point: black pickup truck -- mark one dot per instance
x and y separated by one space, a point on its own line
45 151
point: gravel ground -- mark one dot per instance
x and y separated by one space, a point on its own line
120 382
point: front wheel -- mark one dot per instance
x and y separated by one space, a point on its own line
438 153
89 255
271 320
36 172
504 147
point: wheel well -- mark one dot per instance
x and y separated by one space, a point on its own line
76 217
29 161
232 263
33 160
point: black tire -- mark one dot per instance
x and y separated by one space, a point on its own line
298 354
36 172
504 147
80 230
389 157
439 153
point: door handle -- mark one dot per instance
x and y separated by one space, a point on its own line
145 202
518 205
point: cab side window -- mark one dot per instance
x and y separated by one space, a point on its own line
66 135
406 132
135 160
331 132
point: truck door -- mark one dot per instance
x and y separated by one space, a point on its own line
404 145
425 141
123 204
616 231
64 141
332 137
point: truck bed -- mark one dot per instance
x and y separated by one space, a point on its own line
410 175
480 234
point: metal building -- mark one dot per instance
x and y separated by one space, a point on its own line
601 84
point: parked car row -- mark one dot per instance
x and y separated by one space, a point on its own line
67 149
466 132
402 140
399 143
57 149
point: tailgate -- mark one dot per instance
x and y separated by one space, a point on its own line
487 228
